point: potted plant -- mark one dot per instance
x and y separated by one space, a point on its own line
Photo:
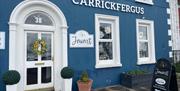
10 79
177 67
67 73
136 78
84 84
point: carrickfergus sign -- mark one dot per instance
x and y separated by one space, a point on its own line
110 6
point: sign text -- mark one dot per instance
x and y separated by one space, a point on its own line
110 6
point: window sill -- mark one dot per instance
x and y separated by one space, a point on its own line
145 62
108 65
145 2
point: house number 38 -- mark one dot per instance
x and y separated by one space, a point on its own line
38 19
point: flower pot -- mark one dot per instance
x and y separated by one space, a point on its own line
85 86
133 81
11 87
68 84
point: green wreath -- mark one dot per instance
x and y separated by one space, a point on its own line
39 43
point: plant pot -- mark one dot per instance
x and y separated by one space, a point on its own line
68 84
133 81
11 87
85 86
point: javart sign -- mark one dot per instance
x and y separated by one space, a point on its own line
164 78
81 39
103 4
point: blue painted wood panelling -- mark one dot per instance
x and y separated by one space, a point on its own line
82 17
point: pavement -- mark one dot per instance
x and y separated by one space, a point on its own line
122 88
114 88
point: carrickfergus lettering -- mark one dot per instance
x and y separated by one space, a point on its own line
110 6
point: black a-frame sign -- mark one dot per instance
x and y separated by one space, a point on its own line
164 76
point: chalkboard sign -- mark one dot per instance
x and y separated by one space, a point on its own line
173 82
164 78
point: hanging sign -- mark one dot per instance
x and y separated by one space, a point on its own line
81 39
2 40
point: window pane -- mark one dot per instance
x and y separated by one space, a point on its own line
47 38
105 51
32 76
143 33
31 37
143 49
46 75
105 31
38 19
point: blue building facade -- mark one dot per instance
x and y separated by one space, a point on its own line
125 35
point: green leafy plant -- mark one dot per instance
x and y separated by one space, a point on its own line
84 77
11 77
136 72
67 73
177 66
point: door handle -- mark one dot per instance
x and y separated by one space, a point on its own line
39 63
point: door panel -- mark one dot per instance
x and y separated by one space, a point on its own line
46 74
31 37
47 55
39 68
32 76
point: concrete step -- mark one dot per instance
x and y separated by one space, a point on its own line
44 89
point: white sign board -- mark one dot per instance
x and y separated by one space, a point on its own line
2 40
81 39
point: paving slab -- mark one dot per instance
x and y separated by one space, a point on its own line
123 88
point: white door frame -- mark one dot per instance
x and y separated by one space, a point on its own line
16 40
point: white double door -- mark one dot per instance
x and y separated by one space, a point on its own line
38 68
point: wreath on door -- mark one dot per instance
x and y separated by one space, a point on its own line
39 47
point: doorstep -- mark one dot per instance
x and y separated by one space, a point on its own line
44 89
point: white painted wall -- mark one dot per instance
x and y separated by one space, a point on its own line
174 22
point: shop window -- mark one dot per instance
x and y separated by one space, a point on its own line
107 41
145 41
145 1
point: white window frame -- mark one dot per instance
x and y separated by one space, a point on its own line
114 21
151 43
145 1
